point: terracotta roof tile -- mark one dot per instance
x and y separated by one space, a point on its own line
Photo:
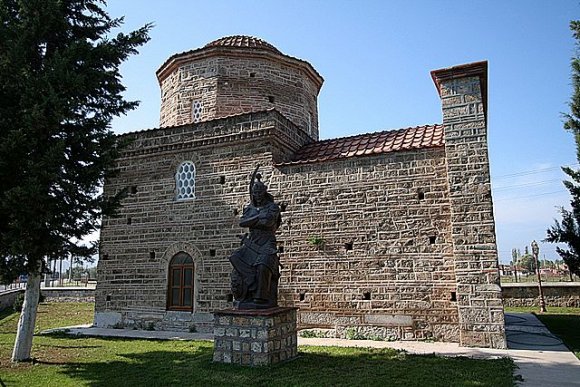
243 42
419 137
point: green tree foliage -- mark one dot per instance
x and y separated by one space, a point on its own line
567 230
60 87
515 257
528 262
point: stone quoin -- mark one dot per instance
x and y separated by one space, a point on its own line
385 235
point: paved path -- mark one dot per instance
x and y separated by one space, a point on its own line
542 359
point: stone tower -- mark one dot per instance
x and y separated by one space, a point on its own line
235 75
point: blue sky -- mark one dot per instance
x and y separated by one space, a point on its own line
376 58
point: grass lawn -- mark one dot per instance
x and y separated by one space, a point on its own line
563 322
76 361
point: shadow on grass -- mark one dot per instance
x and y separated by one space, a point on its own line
316 366
565 326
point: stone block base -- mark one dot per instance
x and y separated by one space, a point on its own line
255 337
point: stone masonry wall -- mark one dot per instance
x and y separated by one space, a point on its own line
385 261
234 85
561 294
386 264
479 299
152 226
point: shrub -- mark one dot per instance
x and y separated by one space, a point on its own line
19 301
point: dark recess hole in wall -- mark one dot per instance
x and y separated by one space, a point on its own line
420 194
222 179
283 207
212 252
280 249
367 296
235 212
271 99
453 296
302 296
152 254
108 297
252 75
133 189
230 297
432 239
129 220
348 246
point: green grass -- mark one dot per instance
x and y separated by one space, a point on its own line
78 361
563 322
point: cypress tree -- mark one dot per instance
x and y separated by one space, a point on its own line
60 87
567 230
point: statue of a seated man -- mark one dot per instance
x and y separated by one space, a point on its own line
256 264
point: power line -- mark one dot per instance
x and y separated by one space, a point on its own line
534 171
523 185
527 196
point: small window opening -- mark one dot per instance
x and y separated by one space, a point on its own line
230 297
271 99
212 252
129 220
196 110
302 296
432 239
453 296
348 246
152 255
367 296
133 190
185 181
420 194
222 179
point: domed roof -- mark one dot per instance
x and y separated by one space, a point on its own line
243 41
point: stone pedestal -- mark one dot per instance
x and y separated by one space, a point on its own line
255 337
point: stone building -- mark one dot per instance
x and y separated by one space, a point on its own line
386 234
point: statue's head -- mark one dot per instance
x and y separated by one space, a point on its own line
259 191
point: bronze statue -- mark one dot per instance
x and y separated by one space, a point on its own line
256 264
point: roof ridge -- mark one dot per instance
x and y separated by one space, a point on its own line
257 111
375 133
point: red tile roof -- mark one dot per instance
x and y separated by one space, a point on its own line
419 137
244 42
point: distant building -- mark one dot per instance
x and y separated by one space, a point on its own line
387 234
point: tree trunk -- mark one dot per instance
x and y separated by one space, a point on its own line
23 342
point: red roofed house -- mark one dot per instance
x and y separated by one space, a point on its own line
388 234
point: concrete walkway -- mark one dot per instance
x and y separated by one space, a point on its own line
542 359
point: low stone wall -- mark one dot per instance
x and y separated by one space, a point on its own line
65 294
564 294
7 298
61 294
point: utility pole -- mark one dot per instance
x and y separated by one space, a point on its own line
535 252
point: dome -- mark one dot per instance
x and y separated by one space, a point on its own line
242 41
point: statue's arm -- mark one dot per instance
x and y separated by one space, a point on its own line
268 217
249 217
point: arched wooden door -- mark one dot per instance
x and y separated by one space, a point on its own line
180 283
